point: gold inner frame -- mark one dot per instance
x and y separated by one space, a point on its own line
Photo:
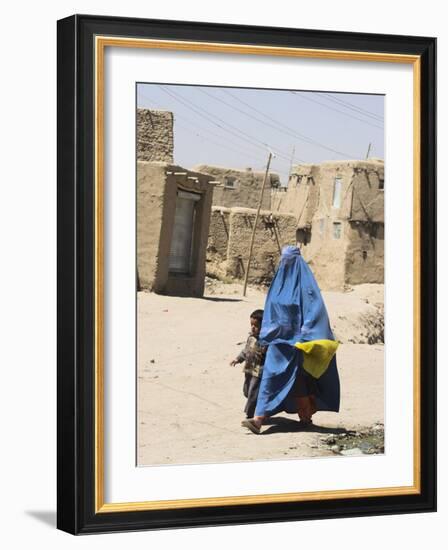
101 42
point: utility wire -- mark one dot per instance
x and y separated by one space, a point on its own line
291 131
212 118
276 127
297 94
196 127
221 145
352 107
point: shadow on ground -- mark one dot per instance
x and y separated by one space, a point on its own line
218 299
286 425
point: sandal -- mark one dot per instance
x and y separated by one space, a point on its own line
250 424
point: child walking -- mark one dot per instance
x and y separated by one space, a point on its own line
253 356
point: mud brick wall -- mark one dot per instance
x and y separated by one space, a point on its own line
155 141
272 233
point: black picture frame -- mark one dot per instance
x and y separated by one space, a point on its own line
76 475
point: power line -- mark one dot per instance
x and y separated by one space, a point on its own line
207 117
291 131
221 145
212 118
193 129
251 140
297 94
352 107
276 127
195 126
259 159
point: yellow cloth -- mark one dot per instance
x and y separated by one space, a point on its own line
317 355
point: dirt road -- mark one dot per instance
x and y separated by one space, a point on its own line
190 402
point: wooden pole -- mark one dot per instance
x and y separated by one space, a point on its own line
292 161
246 275
368 151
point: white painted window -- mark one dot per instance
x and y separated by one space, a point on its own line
337 190
182 238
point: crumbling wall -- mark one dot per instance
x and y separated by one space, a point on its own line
219 231
240 188
218 241
364 259
155 141
325 253
301 196
368 192
279 200
272 233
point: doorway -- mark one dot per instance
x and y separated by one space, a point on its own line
181 250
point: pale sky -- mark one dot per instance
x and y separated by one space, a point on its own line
237 127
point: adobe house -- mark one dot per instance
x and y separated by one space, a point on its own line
339 207
240 188
173 216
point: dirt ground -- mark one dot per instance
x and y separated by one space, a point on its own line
190 401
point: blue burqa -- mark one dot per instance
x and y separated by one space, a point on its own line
294 312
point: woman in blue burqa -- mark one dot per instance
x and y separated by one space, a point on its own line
300 374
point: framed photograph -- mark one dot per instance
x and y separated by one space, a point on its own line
246 274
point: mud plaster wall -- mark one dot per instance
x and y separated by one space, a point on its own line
368 198
151 183
155 141
327 174
301 196
357 256
364 260
219 231
362 196
272 233
279 201
157 186
326 254
247 187
218 241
